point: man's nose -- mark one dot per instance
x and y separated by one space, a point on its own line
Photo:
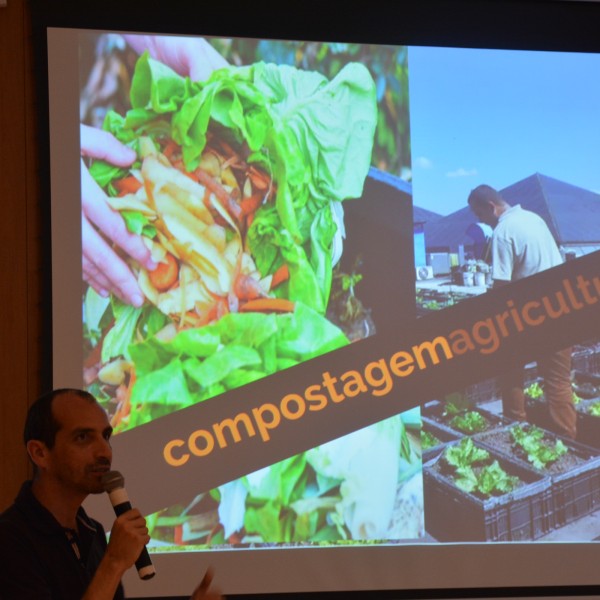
103 449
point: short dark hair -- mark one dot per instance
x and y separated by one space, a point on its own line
483 194
40 423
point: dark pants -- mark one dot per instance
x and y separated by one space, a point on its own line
555 370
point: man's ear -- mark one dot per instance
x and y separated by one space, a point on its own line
38 452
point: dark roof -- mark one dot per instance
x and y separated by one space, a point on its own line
450 231
571 212
422 215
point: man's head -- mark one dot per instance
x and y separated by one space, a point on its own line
67 438
487 204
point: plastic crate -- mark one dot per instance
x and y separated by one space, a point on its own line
530 373
482 391
582 358
586 385
435 412
594 359
588 426
452 515
441 433
537 409
576 490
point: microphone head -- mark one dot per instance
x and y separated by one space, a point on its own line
112 480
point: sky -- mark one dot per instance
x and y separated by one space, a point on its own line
499 116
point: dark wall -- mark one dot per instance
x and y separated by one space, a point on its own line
22 299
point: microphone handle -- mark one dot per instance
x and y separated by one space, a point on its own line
143 564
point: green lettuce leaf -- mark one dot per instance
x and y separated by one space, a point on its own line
313 135
217 367
237 349
159 393
117 339
157 87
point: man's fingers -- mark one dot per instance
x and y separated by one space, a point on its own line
129 534
134 521
110 222
207 579
187 56
203 588
104 267
203 61
93 277
97 143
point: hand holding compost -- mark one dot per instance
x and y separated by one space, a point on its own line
232 192
235 192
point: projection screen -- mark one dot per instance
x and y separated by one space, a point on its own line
266 270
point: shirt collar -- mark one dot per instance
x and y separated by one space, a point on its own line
509 211
40 517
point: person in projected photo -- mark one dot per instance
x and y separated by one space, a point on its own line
522 245
49 547
103 268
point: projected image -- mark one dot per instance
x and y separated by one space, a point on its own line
212 236
217 250
364 486
510 479
505 187
522 123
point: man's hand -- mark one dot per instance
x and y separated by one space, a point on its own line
128 537
203 591
185 55
103 268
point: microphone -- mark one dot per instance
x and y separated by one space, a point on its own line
114 485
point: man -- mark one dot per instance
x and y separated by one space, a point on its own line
522 245
49 548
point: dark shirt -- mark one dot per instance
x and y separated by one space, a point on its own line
40 559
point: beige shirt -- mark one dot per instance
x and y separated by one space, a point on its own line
522 245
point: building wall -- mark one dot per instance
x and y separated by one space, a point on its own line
20 257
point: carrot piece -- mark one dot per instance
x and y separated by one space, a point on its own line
268 305
165 274
250 204
259 178
281 274
128 185
228 150
213 312
170 148
222 195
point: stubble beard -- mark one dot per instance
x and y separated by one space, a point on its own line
95 473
